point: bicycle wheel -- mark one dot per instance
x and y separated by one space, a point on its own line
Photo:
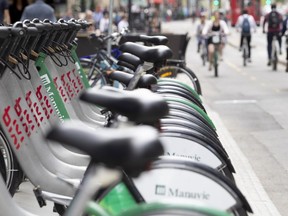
14 174
96 77
2 167
244 56
183 73
274 61
215 64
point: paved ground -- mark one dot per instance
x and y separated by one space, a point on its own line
251 122
251 103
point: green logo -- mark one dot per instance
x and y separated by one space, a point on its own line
160 190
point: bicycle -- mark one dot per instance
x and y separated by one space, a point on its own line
216 41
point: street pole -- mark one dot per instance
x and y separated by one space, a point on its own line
130 13
111 6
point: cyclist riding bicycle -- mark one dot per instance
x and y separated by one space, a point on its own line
245 23
215 27
199 29
274 20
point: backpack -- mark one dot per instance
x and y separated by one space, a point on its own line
274 20
246 26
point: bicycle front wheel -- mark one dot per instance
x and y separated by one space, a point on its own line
275 61
244 57
216 64
182 73
14 174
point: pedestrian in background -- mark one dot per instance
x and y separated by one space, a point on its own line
123 23
245 24
104 23
199 29
285 33
16 9
274 20
39 9
97 16
4 12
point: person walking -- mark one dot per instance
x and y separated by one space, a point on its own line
104 23
245 24
4 12
274 20
39 9
123 23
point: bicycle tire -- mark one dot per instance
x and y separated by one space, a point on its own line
215 63
2 167
14 173
275 61
171 71
244 57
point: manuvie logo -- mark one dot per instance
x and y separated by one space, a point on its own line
160 190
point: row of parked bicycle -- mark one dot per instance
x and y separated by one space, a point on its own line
133 144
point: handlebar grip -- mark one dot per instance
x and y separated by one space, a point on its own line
32 30
4 31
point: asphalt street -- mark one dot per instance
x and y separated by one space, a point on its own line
252 104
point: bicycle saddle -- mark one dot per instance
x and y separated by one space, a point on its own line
145 81
131 149
155 40
140 105
148 54
131 59
127 65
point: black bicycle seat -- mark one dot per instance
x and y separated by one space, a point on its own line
140 105
148 54
145 81
131 149
155 40
131 59
127 65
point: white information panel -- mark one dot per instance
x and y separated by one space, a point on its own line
181 147
178 185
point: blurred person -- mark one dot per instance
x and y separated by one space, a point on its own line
39 9
245 23
199 29
4 12
89 19
285 33
16 9
274 20
123 23
97 16
215 27
104 23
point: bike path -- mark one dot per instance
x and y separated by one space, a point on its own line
248 182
